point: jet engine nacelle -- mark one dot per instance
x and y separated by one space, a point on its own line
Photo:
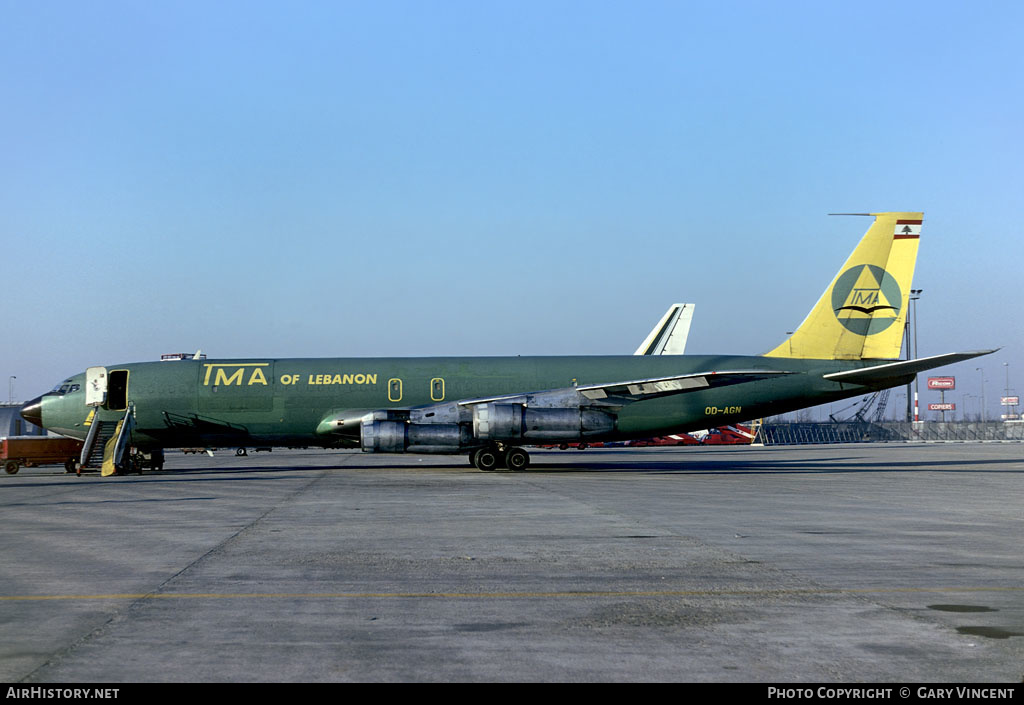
387 436
454 428
518 422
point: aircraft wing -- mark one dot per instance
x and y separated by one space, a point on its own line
664 386
637 389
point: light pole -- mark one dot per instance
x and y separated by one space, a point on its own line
915 294
1009 414
910 356
982 393
10 389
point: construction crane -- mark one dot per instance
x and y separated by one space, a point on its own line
881 397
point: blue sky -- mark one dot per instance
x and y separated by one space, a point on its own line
436 178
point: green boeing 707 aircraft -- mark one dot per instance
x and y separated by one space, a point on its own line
489 407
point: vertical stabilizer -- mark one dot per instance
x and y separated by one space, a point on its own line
862 312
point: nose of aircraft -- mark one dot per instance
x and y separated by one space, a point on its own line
33 411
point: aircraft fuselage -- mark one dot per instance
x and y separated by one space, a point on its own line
283 402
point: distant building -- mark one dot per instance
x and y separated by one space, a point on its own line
11 423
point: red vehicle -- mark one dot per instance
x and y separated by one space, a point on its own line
729 435
578 446
676 439
723 435
27 451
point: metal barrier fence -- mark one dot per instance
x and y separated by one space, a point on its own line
866 432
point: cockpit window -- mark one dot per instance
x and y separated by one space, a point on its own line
67 387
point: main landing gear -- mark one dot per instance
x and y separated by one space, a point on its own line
491 458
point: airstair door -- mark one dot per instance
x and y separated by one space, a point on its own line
95 386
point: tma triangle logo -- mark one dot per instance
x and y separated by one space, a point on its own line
866 299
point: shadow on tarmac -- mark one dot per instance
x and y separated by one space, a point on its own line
668 462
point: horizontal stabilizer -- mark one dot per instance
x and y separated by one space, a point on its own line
902 368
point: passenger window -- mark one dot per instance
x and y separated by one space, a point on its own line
394 390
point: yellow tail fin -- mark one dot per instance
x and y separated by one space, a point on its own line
861 314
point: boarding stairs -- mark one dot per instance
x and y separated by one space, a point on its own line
106 445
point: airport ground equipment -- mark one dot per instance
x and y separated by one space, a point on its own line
27 451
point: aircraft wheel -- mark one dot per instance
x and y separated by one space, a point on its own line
11 467
486 459
69 466
134 464
241 451
516 459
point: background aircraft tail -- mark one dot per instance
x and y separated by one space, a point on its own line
862 312
669 336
